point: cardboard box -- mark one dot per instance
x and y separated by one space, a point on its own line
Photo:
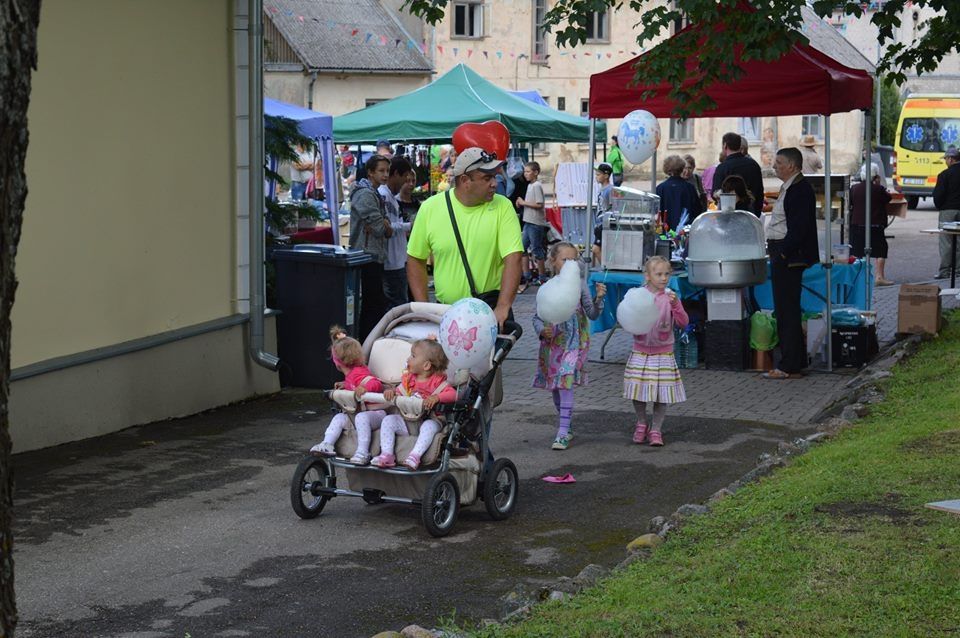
919 309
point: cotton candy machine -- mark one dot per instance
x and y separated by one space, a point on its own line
726 250
628 231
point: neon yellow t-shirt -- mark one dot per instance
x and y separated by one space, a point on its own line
489 231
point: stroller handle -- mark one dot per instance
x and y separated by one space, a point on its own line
512 329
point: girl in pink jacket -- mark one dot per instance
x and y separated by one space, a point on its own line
652 375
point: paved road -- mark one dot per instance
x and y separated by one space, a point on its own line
185 526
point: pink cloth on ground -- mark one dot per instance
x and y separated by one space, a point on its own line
357 375
660 338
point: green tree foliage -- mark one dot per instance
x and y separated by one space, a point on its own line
890 104
281 136
723 29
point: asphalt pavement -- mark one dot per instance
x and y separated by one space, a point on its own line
185 527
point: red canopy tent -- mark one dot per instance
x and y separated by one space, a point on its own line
802 82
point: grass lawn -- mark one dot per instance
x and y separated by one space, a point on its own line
837 544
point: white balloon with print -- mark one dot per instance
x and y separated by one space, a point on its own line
557 299
468 333
638 136
638 312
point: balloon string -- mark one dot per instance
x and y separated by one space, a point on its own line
616 241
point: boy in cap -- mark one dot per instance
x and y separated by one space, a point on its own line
602 173
534 223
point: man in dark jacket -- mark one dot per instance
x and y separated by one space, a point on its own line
737 163
792 246
946 197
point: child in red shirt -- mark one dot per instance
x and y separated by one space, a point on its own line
347 355
426 377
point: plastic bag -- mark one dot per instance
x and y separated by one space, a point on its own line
846 317
763 332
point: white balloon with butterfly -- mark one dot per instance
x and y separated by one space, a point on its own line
639 136
468 333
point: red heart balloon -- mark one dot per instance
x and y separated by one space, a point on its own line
492 136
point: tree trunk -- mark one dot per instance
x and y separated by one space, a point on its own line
18 59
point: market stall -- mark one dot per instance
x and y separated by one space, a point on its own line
431 113
319 127
804 81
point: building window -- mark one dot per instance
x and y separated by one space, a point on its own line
467 20
813 125
561 104
598 28
681 130
539 33
584 107
750 128
682 23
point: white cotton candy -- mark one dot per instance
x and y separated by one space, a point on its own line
558 298
637 313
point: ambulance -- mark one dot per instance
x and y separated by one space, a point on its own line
928 126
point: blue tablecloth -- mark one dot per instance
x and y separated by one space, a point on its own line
849 283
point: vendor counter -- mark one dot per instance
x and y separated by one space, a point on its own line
848 281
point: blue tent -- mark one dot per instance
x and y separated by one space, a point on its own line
318 126
531 96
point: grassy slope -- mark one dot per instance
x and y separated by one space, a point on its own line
839 543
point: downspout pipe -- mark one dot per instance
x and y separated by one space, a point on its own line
255 214
313 80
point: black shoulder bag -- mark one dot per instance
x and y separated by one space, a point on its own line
490 298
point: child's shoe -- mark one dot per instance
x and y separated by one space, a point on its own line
561 443
323 449
360 459
384 460
640 433
656 439
413 461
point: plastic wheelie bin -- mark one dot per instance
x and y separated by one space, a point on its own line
318 285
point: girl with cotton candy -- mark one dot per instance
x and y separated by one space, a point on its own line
565 335
651 375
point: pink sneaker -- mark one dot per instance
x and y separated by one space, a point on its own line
640 433
384 460
413 461
656 439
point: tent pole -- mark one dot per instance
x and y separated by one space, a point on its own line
653 172
591 222
331 181
828 239
868 211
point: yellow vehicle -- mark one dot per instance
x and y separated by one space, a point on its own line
929 125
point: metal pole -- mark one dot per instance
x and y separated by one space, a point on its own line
828 237
868 216
653 172
877 80
590 159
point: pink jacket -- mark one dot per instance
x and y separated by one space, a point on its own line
660 338
410 386
356 377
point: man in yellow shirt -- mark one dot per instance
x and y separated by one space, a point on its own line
489 231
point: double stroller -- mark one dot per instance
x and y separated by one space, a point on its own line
456 470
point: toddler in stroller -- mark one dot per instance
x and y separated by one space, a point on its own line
426 377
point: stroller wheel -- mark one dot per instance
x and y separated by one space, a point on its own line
311 474
500 489
441 503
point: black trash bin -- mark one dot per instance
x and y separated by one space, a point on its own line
318 285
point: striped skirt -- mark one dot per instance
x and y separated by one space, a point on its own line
653 377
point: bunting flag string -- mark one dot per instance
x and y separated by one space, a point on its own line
372 38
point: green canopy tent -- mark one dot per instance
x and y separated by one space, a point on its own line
431 113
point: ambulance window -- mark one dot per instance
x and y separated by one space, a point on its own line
929 134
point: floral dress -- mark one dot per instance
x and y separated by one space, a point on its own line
560 365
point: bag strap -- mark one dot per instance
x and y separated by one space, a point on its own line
440 388
463 253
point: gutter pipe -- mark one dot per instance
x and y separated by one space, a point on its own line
255 214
